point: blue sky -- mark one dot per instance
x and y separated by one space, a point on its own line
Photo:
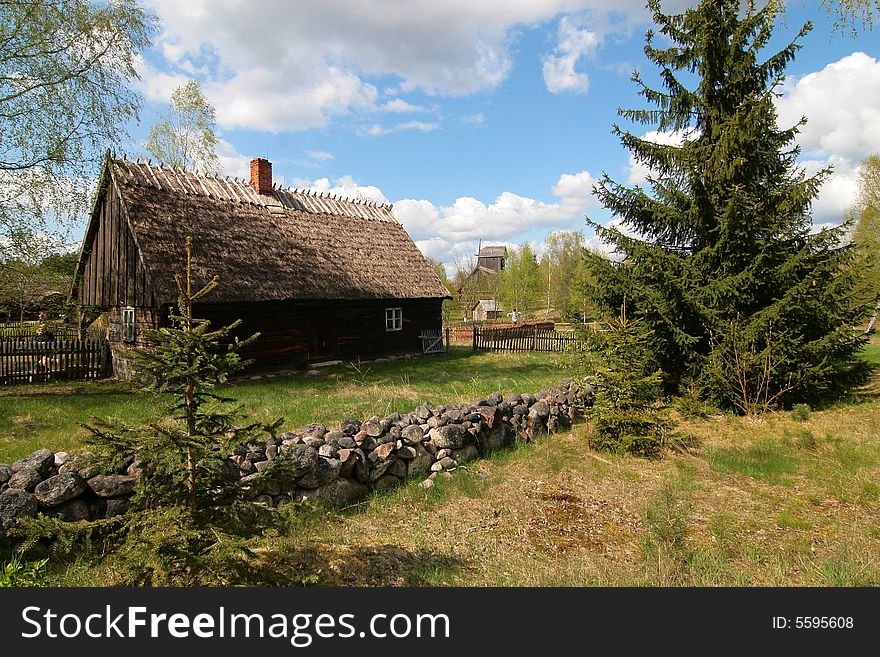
485 119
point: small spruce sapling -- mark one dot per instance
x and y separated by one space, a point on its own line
624 415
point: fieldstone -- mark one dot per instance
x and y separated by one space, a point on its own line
501 435
350 426
496 398
71 511
424 411
406 452
61 458
262 466
348 458
322 472
372 428
328 451
398 469
386 481
14 504
247 466
296 460
529 399
315 429
58 489
333 436
340 492
41 461
112 485
520 409
541 408
436 466
427 483
448 462
25 479
346 442
536 424
513 399
465 454
271 452
251 485
5 473
392 435
384 451
451 436
117 506
313 374
368 444
314 441
265 500
488 415
379 469
412 435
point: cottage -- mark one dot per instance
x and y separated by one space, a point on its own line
319 277
485 309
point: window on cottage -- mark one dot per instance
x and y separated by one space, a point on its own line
128 324
394 319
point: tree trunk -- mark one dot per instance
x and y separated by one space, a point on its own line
873 323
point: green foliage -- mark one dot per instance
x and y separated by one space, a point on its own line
624 413
866 232
65 94
191 513
185 138
563 252
800 412
519 284
741 298
19 572
34 274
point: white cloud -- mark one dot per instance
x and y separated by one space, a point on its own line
400 106
345 186
842 106
559 68
441 229
233 163
320 156
477 119
377 130
291 65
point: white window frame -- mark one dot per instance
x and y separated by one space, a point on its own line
393 319
129 327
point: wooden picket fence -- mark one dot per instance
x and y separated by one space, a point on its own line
526 338
35 360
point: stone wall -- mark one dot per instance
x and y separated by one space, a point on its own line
335 466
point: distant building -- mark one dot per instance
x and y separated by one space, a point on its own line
485 309
482 282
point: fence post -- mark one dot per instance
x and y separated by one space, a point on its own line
447 339
474 340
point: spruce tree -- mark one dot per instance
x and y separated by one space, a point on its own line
741 298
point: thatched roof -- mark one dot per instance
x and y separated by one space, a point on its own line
289 245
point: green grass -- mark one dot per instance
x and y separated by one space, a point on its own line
776 501
50 415
872 353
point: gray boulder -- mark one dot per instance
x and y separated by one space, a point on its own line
5 473
541 409
452 436
71 511
41 460
14 504
117 506
25 479
412 435
350 426
58 489
420 464
296 460
339 492
112 485
322 472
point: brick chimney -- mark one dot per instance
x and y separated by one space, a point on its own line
261 175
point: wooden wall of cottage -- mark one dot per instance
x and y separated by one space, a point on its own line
301 331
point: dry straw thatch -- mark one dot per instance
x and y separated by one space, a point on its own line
291 245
